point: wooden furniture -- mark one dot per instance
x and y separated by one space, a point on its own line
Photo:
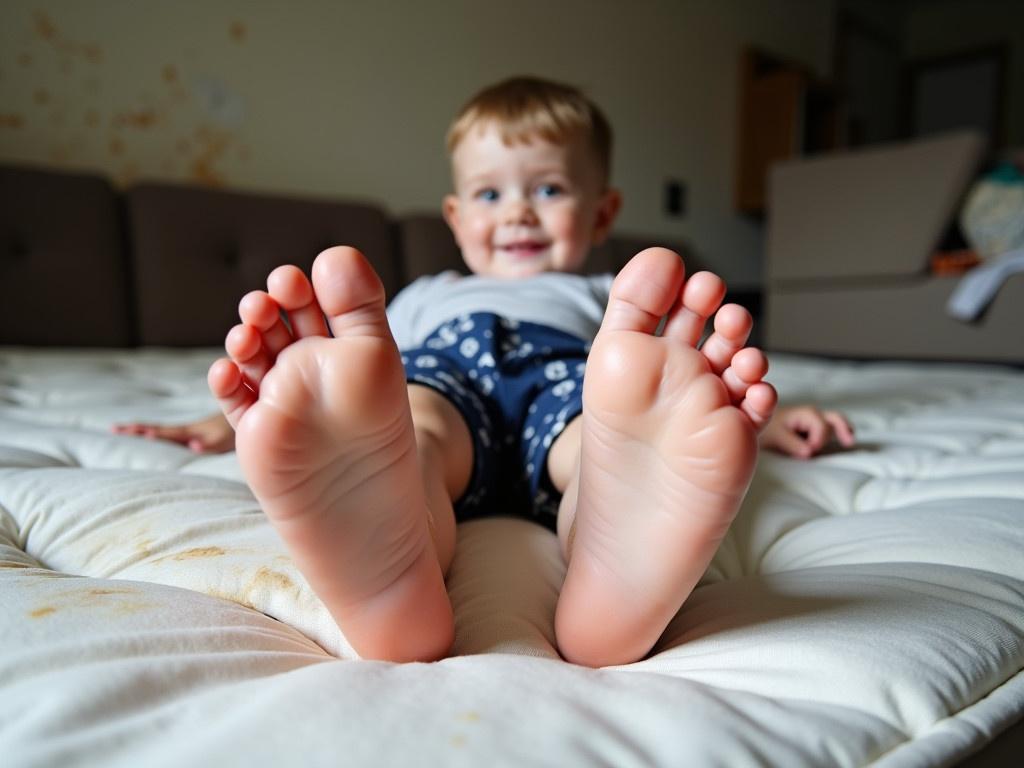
784 112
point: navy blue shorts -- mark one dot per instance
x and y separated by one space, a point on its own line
517 385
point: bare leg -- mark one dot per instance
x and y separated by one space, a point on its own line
358 491
446 461
667 449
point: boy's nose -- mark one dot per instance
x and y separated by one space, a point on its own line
520 211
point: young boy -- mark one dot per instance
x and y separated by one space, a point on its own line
364 457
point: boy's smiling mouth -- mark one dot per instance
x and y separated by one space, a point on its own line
523 249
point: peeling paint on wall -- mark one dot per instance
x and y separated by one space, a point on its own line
178 125
220 103
237 31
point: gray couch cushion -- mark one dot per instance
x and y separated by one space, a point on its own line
63 272
198 251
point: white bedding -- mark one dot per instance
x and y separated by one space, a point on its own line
866 608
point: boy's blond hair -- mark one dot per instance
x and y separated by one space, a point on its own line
525 107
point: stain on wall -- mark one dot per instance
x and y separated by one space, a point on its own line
180 124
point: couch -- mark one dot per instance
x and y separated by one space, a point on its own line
159 264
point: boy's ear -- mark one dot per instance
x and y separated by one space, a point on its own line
450 211
607 210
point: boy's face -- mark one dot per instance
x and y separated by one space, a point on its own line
526 208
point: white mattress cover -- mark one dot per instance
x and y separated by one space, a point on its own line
866 608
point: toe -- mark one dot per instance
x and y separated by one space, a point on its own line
699 300
244 345
644 291
350 293
750 364
732 328
759 403
291 289
225 382
259 310
747 367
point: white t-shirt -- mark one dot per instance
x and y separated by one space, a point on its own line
571 303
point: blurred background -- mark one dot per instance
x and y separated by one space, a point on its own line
351 98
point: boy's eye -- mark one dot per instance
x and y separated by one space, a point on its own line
487 195
549 190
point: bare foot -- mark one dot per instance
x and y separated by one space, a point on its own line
210 435
668 448
325 440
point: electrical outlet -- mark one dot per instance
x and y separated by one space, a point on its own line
675 198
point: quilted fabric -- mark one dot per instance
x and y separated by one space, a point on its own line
867 606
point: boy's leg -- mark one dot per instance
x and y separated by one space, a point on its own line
446 461
327 440
564 471
667 447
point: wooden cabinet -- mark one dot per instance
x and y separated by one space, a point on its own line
784 112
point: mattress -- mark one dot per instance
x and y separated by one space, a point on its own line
867 607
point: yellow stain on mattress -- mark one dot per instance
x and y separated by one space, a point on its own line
110 599
264 581
268 579
143 547
123 608
46 610
89 596
16 565
197 552
472 716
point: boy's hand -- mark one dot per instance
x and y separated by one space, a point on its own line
209 435
803 431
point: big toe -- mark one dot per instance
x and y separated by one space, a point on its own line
349 291
644 291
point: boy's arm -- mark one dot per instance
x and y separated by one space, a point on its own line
210 435
803 431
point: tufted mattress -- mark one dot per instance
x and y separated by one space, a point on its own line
867 607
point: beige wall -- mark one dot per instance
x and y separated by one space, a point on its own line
352 98
944 27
